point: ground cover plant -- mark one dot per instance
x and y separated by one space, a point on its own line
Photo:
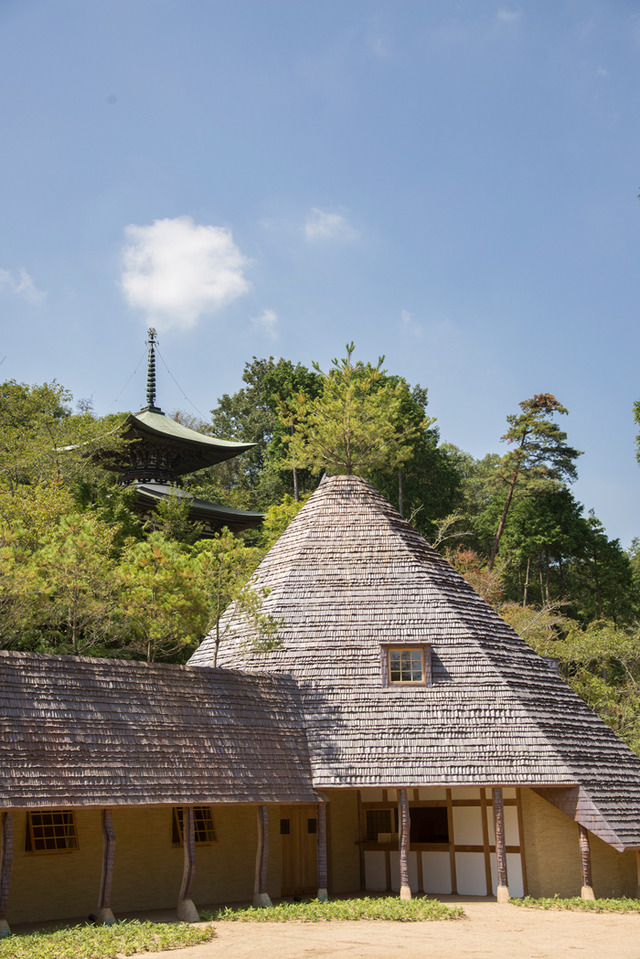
103 942
622 904
382 908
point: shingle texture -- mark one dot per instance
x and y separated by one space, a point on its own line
350 576
98 731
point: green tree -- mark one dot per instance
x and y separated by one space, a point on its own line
540 452
224 565
355 424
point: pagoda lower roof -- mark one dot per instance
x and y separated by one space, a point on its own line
213 516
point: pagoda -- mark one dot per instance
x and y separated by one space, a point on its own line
161 451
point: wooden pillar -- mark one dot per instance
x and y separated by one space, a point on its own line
637 873
502 894
404 833
260 894
586 891
323 895
108 855
187 912
6 865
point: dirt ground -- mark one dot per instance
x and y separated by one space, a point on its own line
490 931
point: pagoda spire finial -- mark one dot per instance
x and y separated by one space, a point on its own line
151 372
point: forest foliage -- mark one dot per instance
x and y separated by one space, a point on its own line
81 573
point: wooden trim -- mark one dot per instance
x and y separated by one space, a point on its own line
262 851
452 845
188 835
6 862
486 849
523 858
404 834
108 857
498 825
322 846
362 826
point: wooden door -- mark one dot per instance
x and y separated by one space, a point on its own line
299 851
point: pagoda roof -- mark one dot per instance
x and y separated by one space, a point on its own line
200 510
197 449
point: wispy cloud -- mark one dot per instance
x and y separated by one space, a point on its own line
508 16
266 323
321 225
177 271
22 286
409 324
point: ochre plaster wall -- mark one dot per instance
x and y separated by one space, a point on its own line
147 869
342 841
553 855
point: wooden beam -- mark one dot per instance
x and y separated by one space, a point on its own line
323 895
187 911
502 894
586 891
404 821
6 865
637 873
260 894
108 856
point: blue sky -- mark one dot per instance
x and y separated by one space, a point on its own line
451 184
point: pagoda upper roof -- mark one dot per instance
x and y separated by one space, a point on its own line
197 450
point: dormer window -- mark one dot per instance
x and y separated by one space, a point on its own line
406 665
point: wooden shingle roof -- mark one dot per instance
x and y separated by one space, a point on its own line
350 576
77 732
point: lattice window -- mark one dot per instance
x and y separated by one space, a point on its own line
381 825
203 825
406 665
51 830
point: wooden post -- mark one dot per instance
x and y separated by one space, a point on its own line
502 893
323 895
260 894
403 843
6 865
108 855
586 891
187 912
637 873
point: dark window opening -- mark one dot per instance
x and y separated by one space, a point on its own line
204 829
381 822
53 830
285 827
312 826
429 824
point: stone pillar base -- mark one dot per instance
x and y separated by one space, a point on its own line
105 917
187 912
262 899
4 929
587 892
323 895
502 894
405 892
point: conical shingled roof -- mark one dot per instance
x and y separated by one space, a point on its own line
349 578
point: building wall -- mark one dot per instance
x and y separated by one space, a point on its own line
343 853
147 868
553 855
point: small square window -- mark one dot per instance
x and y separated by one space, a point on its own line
50 830
202 822
285 827
407 665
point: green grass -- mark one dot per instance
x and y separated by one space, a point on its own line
103 942
383 908
586 905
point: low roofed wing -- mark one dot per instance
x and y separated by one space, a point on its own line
350 578
78 732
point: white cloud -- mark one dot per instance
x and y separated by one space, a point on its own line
266 323
322 225
508 16
177 271
22 285
409 324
